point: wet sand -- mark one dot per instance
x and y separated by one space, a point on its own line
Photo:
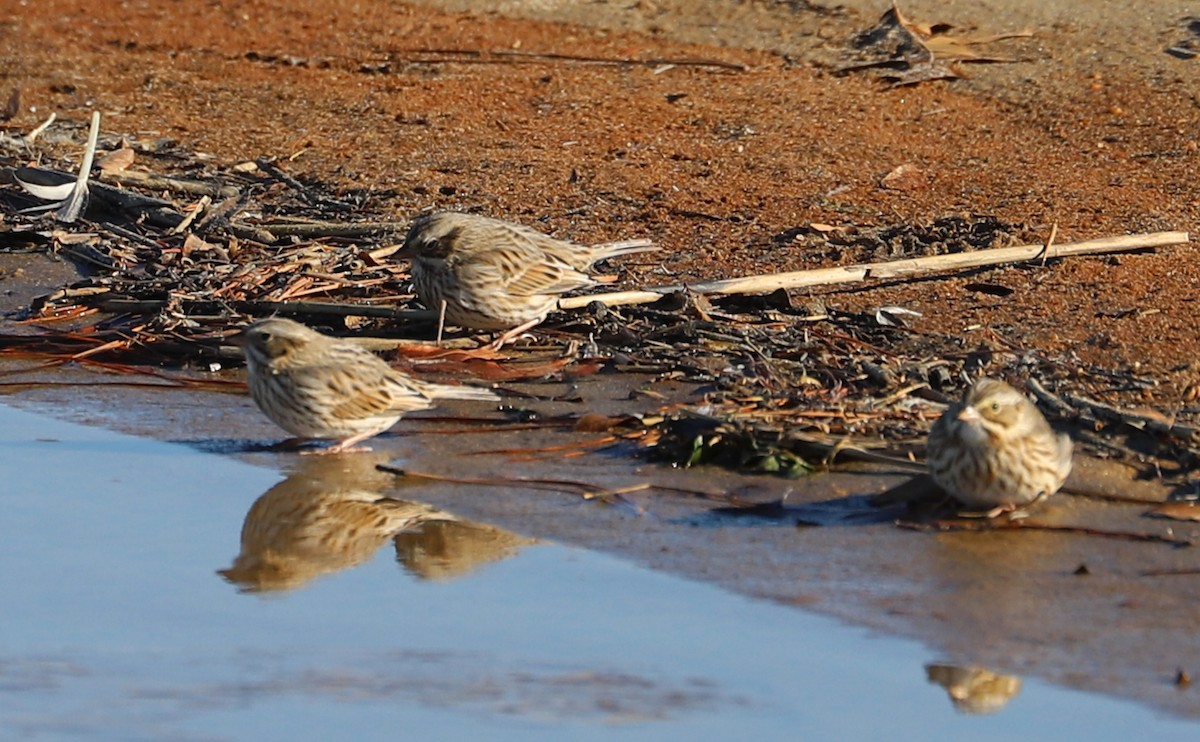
973 597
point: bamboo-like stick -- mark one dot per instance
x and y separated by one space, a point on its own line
864 271
75 203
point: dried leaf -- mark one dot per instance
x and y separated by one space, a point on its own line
921 51
1175 511
379 255
921 30
958 49
978 40
903 178
595 423
193 243
949 48
117 160
425 352
585 367
63 237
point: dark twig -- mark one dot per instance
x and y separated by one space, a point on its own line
1024 525
129 234
169 183
651 62
1133 419
334 229
557 485
1049 399
507 56
266 308
584 490
305 192
222 212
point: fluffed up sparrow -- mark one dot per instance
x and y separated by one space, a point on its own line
488 274
994 450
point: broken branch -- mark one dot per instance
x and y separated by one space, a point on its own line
762 284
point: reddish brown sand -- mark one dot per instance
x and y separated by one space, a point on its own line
711 162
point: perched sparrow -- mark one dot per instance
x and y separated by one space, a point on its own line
315 386
995 451
494 275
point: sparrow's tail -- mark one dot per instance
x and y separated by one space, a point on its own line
606 250
447 391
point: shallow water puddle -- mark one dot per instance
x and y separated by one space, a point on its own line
116 624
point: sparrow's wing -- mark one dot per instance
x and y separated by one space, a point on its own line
520 269
365 386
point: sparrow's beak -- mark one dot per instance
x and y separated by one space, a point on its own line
969 415
407 251
238 338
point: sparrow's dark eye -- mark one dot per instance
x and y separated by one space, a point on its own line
996 406
264 336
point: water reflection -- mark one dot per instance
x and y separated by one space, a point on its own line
975 571
974 690
446 549
332 514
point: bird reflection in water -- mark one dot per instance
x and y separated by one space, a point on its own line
444 550
974 690
331 514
